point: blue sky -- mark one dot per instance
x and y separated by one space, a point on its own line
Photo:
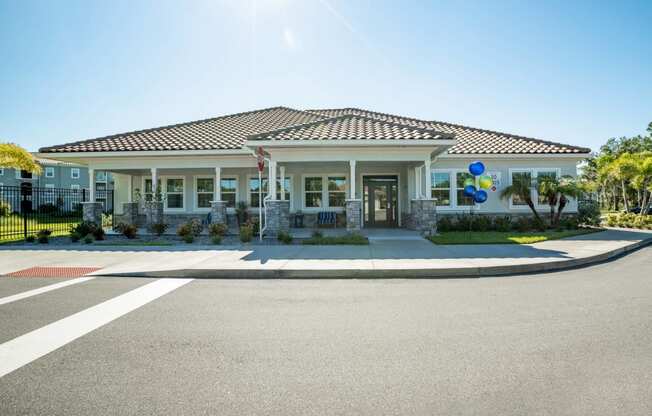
576 72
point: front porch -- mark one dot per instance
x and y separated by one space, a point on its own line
373 191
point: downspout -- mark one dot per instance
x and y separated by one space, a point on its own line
262 215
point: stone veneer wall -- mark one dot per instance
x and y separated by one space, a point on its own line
218 212
353 215
154 213
423 216
92 212
278 217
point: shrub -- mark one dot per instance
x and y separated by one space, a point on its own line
48 208
88 239
84 228
463 223
522 224
349 239
30 239
216 239
503 224
284 237
217 230
74 237
158 228
444 224
98 234
192 227
480 223
241 213
588 213
128 230
246 233
5 209
188 238
317 234
43 236
569 223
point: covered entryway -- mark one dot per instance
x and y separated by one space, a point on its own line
380 201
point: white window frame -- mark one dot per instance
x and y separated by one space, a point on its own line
97 175
452 175
195 193
278 177
75 173
49 171
19 175
74 186
164 190
49 195
324 191
2 171
534 194
163 179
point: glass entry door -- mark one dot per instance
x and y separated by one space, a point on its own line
380 204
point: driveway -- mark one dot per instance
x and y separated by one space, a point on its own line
568 343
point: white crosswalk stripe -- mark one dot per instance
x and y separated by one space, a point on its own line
33 345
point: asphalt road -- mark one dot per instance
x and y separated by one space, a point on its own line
571 343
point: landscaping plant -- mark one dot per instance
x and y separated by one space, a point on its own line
30 239
216 239
192 227
246 233
158 229
5 209
284 237
43 236
88 239
128 230
217 230
349 239
188 238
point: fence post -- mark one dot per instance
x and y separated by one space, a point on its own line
23 211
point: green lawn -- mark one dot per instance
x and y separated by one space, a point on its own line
11 228
509 237
137 243
349 239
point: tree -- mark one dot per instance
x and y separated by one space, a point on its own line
567 187
14 156
623 169
522 190
548 187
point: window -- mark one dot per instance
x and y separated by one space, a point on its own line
229 187
100 176
49 172
147 194
253 190
313 191
2 171
441 188
48 195
524 177
74 173
23 174
174 193
463 200
74 186
204 188
541 199
336 191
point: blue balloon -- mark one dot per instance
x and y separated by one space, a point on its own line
469 190
476 168
480 196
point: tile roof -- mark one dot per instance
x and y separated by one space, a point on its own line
470 140
351 127
282 123
225 132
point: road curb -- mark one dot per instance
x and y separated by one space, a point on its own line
430 273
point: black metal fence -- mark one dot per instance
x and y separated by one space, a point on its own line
25 210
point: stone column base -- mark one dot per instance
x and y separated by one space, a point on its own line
153 213
424 216
129 213
278 217
353 215
218 212
92 212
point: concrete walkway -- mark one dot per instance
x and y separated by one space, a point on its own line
382 258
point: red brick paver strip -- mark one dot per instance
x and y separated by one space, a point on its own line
54 272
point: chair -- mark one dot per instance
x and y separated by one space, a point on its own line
327 218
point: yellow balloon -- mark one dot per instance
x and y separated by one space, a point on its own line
485 182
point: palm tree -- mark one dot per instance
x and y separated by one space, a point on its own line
522 190
14 156
548 187
567 188
623 169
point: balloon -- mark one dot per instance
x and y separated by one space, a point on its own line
485 182
476 168
469 190
469 182
480 196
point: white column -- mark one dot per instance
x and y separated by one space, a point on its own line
426 168
154 182
271 179
352 179
417 182
130 197
217 186
91 185
282 172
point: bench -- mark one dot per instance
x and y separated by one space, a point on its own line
327 218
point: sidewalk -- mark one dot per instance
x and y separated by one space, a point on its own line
383 258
